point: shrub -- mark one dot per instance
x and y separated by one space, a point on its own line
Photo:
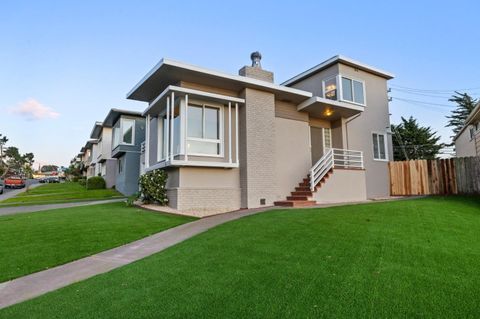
75 179
152 187
82 181
96 182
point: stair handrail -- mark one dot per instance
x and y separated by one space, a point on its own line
321 168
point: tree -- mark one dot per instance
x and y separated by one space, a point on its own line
412 141
465 105
3 141
17 163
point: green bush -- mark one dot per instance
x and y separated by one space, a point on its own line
82 181
152 187
96 182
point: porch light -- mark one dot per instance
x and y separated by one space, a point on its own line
328 112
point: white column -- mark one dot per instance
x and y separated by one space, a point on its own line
172 115
167 139
236 134
186 127
230 132
147 142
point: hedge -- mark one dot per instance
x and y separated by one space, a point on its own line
152 187
96 182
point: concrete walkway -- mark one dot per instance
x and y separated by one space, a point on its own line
38 208
24 288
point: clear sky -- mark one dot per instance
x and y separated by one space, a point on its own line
64 64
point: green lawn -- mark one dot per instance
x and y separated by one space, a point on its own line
36 241
409 259
59 193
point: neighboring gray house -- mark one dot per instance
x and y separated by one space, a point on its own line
106 165
467 141
127 136
241 141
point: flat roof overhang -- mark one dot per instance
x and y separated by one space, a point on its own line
97 130
169 72
114 115
330 110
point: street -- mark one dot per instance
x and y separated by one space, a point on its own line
7 192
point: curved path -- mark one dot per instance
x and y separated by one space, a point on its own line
27 287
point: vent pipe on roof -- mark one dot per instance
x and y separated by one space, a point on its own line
255 71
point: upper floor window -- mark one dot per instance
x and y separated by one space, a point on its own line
353 91
124 132
350 90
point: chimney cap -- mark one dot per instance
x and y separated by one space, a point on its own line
256 57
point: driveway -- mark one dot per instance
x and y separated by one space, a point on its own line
8 192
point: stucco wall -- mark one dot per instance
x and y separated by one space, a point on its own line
127 181
110 172
464 146
343 186
292 149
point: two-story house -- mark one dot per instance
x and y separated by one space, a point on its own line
242 141
128 133
106 165
467 141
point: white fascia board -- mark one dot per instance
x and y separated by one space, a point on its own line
238 78
339 59
318 99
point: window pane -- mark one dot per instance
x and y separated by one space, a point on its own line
358 92
347 89
128 131
199 147
331 89
166 142
195 121
327 138
176 135
212 123
381 145
375 146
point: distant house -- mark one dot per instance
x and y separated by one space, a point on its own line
106 165
241 141
467 141
127 136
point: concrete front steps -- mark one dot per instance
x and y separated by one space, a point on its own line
303 196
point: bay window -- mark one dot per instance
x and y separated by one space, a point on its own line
124 132
203 130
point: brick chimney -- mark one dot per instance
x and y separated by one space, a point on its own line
255 71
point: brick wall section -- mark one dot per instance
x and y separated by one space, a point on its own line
208 201
257 148
256 73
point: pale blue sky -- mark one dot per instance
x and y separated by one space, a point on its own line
78 59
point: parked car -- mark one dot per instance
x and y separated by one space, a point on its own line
14 182
1 187
49 179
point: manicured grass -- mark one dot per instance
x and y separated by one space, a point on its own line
35 241
59 193
415 258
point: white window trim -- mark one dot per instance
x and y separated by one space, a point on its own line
220 141
339 82
385 141
122 133
324 88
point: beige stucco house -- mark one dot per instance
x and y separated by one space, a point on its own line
467 141
242 141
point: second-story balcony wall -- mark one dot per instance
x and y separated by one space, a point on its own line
188 127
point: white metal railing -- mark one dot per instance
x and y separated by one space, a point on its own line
335 157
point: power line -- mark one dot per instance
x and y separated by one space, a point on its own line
433 90
422 102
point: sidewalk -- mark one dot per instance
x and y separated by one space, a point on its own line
11 210
34 285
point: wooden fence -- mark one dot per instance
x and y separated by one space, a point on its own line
435 177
